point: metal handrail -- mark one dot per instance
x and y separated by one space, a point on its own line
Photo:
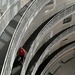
55 19
47 50
8 52
40 36
25 67
47 28
31 12
61 36
72 46
43 3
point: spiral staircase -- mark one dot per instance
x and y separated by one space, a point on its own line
45 29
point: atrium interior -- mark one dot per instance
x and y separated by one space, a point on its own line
37 37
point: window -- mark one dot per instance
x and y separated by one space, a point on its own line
68 19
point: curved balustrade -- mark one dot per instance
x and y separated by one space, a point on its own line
25 21
54 60
6 65
53 22
8 32
49 48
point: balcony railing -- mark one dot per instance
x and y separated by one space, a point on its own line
48 66
48 50
53 22
25 21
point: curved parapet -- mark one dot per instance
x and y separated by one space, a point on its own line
49 49
21 34
8 32
30 13
66 50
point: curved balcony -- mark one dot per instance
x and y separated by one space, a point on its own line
7 67
65 13
41 50
19 33
49 49
8 32
63 53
